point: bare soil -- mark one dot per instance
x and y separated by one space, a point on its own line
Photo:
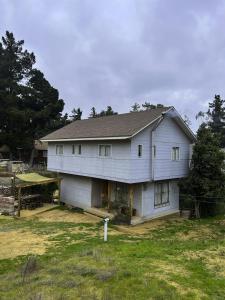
19 242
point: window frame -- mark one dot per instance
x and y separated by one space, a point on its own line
79 149
154 151
161 203
140 150
175 153
57 147
105 145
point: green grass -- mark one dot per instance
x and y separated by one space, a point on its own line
178 260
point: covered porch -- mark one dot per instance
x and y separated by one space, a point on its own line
110 198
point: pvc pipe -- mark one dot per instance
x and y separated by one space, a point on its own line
106 220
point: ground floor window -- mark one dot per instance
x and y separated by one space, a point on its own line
59 149
104 150
161 194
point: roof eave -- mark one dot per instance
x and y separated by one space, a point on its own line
88 139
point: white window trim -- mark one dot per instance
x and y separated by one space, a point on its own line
77 154
59 145
101 156
162 204
178 153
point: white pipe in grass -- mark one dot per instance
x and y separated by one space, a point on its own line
106 220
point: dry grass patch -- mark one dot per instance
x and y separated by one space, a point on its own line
67 216
200 232
19 242
214 259
147 227
165 270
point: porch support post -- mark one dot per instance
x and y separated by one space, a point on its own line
131 199
59 191
19 201
109 196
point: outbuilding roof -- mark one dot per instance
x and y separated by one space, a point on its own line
115 126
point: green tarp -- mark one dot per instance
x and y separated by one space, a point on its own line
33 177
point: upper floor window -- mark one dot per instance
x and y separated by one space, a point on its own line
139 150
104 150
77 149
154 151
59 149
161 194
175 153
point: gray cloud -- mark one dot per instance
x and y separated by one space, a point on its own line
117 52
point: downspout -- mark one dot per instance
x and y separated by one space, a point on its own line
152 152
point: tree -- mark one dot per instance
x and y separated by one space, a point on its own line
93 113
108 112
215 118
76 114
135 107
187 121
146 106
30 106
205 184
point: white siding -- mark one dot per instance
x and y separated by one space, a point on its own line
76 190
89 163
124 165
148 195
166 136
141 166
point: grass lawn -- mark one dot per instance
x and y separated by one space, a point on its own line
170 259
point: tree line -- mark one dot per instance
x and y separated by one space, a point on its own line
30 107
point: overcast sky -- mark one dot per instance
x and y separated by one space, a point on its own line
117 52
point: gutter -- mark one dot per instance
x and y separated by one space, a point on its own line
87 139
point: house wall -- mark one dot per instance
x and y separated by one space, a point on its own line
85 192
148 195
89 163
124 165
141 166
76 190
166 136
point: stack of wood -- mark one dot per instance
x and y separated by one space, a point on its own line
7 205
31 201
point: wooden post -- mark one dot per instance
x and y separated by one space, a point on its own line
131 199
109 196
19 201
59 189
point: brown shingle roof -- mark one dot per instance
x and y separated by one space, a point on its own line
123 125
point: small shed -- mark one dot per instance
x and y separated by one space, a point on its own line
14 187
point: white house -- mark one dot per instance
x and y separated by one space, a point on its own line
138 157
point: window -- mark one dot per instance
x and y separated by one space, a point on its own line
59 149
139 150
161 194
104 150
154 151
175 153
77 149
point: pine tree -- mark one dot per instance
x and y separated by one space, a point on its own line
205 184
135 107
29 106
93 113
76 114
108 112
215 118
